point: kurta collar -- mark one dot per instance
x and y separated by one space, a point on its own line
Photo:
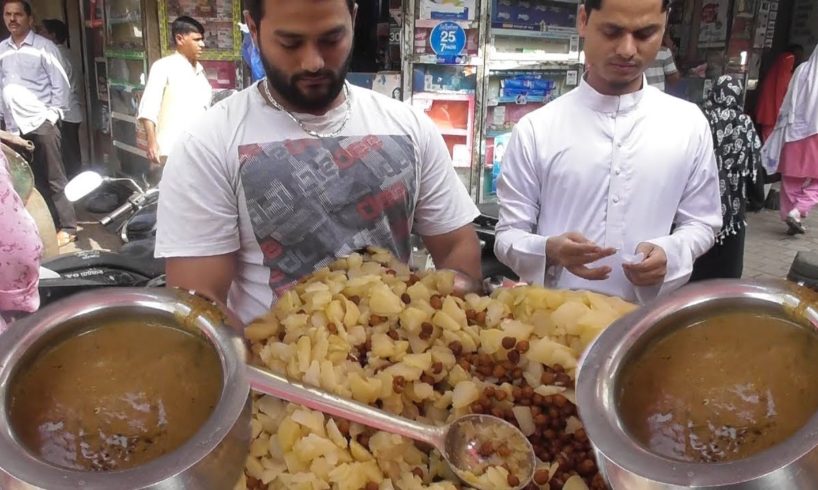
610 104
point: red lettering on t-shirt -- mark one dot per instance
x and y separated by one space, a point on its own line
271 249
343 158
369 208
276 277
373 206
248 152
297 147
282 290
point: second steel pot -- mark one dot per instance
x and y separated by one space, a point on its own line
627 464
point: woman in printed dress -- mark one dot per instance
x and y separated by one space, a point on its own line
20 250
737 148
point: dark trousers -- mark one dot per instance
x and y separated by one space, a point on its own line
724 261
49 175
71 154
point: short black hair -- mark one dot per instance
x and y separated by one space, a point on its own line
184 25
597 4
57 28
24 3
256 9
794 48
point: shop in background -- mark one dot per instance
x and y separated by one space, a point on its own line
476 67
717 37
122 39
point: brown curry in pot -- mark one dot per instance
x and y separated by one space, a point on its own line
115 397
723 389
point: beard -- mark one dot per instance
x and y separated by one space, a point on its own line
287 85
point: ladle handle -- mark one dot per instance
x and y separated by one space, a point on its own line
280 387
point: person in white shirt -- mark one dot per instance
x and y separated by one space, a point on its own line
34 98
293 172
177 92
611 170
57 32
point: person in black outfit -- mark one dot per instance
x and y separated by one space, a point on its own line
738 149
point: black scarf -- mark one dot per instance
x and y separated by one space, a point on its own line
737 148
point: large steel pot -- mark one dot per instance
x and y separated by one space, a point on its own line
213 459
625 463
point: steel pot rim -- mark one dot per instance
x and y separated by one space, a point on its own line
596 397
18 462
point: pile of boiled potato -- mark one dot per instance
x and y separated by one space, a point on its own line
369 329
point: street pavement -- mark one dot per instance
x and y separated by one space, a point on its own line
769 251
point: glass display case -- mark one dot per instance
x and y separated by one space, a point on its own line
444 49
532 58
123 27
126 71
479 66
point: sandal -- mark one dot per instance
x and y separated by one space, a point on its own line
795 226
64 238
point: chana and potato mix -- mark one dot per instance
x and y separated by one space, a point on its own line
368 329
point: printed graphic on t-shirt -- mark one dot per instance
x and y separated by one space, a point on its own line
313 200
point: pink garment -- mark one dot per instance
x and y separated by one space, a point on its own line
20 251
800 158
798 193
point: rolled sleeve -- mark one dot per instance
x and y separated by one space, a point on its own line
516 245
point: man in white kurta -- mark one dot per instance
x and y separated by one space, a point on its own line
607 177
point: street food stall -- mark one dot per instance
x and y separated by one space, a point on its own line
580 376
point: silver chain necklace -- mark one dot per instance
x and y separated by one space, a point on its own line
273 102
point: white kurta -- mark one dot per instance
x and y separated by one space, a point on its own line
621 171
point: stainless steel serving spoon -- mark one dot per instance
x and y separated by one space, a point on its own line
459 448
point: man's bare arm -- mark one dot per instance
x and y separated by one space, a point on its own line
672 79
458 250
208 276
153 144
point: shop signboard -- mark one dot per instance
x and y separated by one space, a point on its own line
448 40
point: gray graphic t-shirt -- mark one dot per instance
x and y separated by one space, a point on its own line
248 180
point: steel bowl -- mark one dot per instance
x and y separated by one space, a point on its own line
625 462
213 458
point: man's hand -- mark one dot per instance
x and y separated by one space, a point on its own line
153 154
574 252
652 270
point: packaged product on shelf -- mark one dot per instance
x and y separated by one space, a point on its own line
448 9
388 84
534 14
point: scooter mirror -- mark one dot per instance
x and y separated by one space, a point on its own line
82 185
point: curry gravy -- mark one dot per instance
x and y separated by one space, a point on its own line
723 389
115 397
